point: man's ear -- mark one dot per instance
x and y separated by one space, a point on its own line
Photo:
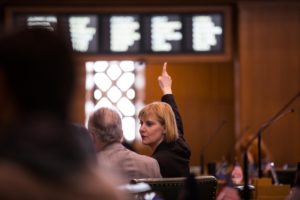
122 138
92 136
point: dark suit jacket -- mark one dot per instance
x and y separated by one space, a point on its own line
173 158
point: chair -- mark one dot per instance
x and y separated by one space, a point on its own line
172 188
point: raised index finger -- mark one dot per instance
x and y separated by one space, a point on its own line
164 70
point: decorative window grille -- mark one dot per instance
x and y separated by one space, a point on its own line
119 84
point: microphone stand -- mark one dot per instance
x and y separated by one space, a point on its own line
277 116
246 189
207 143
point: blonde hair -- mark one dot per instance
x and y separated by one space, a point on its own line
165 115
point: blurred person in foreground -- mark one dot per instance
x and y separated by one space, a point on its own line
162 129
106 127
42 156
228 193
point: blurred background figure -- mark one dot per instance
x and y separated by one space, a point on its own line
106 127
42 155
252 154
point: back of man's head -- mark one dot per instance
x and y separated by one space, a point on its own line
106 125
39 70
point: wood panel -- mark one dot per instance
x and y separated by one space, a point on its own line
269 74
78 101
114 2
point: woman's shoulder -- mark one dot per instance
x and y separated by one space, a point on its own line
179 147
182 146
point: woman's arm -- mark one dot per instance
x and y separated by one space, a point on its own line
165 83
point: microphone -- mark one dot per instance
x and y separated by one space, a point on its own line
207 143
282 112
274 174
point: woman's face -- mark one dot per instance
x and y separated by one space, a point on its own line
151 130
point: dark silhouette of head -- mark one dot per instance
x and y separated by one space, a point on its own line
38 71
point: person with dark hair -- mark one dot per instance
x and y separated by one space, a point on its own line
40 74
162 129
42 155
106 126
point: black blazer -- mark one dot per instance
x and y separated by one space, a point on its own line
173 158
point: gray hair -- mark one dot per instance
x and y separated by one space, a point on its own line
105 124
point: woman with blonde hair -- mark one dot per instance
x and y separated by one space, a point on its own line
162 129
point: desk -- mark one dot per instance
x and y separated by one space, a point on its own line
265 190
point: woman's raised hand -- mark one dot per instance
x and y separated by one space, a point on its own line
165 81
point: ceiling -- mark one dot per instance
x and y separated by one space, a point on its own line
125 3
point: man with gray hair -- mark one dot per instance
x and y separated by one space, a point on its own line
106 127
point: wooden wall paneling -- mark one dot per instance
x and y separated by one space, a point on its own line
269 46
78 103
